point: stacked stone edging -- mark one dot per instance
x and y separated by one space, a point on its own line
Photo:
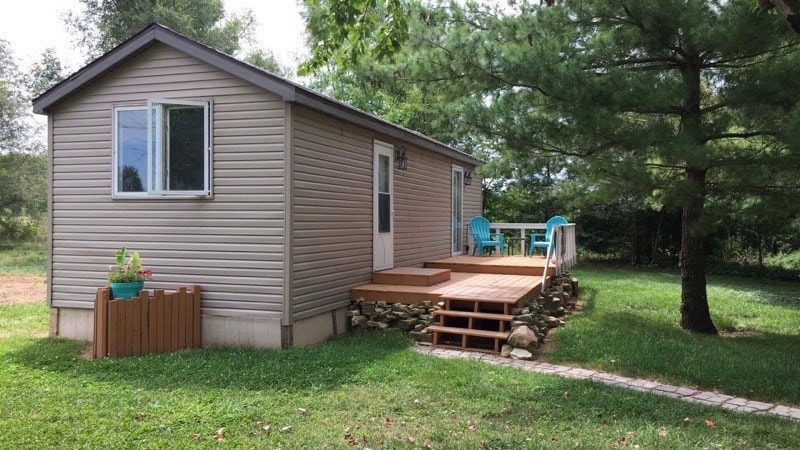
544 312
413 319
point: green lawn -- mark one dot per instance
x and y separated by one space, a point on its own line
361 390
629 325
370 390
24 259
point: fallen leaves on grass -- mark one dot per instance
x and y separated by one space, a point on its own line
301 411
709 423
218 436
388 421
194 436
662 432
265 428
286 429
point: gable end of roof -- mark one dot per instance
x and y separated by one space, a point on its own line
289 91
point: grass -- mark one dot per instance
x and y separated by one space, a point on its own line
22 259
370 390
629 326
360 390
789 261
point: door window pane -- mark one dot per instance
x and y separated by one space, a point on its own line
384 213
384 174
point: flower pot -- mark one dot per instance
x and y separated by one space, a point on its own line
126 290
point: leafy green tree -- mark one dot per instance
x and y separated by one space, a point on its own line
103 24
265 59
688 102
44 73
23 164
13 106
344 31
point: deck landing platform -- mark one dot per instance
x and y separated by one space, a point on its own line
508 265
515 289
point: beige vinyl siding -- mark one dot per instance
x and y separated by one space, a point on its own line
231 244
332 210
423 209
473 206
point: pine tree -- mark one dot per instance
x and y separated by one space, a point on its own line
687 100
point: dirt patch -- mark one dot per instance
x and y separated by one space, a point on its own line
22 289
739 333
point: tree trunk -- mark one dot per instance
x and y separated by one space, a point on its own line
695 315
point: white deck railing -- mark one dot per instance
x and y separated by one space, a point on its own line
562 249
561 252
523 229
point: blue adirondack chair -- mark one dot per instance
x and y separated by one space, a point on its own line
479 227
548 234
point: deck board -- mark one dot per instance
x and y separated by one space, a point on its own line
510 265
504 288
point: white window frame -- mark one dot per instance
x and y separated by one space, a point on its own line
154 111
115 187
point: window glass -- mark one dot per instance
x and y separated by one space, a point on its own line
384 194
384 213
384 166
175 160
185 153
132 150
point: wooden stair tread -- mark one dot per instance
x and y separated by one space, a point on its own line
411 276
509 300
475 315
469 332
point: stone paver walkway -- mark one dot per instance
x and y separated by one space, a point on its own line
691 395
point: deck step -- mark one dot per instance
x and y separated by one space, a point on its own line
468 332
475 315
467 298
411 276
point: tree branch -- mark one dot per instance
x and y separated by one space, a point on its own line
751 134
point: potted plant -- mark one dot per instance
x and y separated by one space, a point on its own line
127 276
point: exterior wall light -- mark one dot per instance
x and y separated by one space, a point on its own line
468 178
402 159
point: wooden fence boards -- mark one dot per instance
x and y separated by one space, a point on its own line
151 323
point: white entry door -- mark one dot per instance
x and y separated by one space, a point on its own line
383 207
458 211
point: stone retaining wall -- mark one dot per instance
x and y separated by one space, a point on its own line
413 319
529 328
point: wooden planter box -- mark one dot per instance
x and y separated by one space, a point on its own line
148 323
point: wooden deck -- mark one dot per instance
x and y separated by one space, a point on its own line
478 295
508 265
486 287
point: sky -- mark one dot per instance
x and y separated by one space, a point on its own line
31 26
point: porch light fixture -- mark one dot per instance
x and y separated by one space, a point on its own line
402 159
468 178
